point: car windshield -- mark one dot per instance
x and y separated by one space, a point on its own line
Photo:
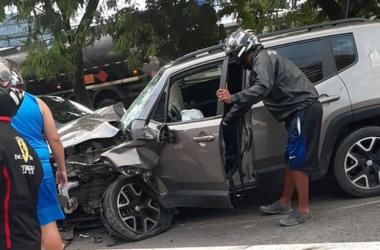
64 110
140 102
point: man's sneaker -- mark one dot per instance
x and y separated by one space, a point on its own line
276 208
295 218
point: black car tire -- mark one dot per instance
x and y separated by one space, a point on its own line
113 218
349 153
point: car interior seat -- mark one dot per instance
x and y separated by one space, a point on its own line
176 103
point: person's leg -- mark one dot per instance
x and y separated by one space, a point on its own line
283 205
302 186
304 160
51 239
302 214
289 186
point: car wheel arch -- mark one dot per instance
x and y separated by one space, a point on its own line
346 123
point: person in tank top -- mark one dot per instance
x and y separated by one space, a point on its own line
35 123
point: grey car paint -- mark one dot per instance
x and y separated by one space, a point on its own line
93 126
334 98
184 166
138 153
360 78
191 172
108 113
183 162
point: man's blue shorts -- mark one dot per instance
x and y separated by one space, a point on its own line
48 208
304 128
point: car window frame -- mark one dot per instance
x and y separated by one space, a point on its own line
325 56
351 34
180 74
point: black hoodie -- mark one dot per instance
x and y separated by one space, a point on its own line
277 82
20 178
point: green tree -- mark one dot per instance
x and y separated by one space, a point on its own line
166 29
271 15
314 11
339 9
63 53
303 14
255 14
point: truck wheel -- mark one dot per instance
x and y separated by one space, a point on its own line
357 162
105 102
131 213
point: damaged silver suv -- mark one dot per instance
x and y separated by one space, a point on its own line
169 149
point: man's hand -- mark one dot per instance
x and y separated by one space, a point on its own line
224 95
61 178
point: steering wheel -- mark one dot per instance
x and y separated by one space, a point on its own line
174 113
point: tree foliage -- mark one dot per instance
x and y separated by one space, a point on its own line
62 52
271 15
339 9
255 14
166 29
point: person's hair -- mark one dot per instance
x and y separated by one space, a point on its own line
13 65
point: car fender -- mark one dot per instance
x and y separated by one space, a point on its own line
329 143
135 154
340 126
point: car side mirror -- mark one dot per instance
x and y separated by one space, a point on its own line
165 135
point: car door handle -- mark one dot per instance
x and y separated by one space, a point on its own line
326 98
205 138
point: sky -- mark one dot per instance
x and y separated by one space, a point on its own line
140 3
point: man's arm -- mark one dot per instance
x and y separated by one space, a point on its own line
261 82
54 142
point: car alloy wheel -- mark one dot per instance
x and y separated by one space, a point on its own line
362 163
131 212
140 213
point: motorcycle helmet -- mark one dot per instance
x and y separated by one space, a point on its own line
241 42
10 98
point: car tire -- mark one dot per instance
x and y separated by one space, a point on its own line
357 162
131 213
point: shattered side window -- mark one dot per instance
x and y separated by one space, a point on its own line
344 51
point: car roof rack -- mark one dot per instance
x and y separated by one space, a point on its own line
200 53
311 27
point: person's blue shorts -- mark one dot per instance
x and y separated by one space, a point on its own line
48 208
304 129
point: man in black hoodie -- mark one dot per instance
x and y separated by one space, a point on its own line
20 174
291 98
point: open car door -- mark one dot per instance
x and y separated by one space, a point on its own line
191 169
238 138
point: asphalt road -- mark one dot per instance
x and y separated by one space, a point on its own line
337 218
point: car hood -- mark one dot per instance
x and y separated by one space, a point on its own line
108 113
92 126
